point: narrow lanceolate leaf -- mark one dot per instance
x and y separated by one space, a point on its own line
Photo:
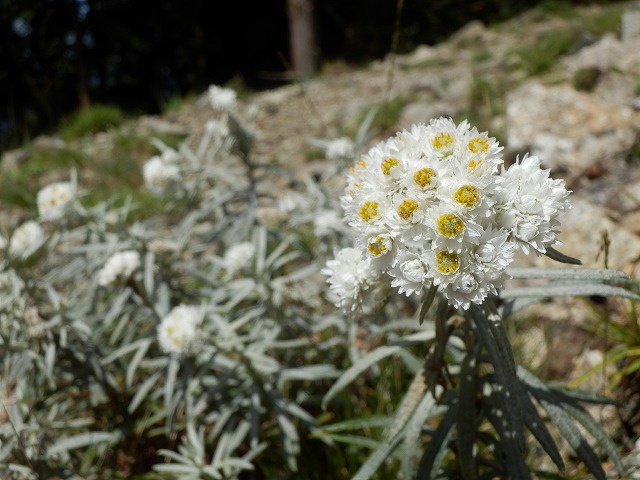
501 415
370 467
596 431
538 429
569 290
425 410
466 426
605 275
511 423
434 454
553 254
356 369
571 433
82 440
426 303
412 398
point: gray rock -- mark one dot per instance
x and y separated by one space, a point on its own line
11 159
630 25
607 54
567 129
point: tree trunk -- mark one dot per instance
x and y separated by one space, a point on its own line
302 37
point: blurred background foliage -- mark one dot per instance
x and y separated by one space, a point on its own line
58 56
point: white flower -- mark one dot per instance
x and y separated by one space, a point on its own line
327 222
178 331
119 267
239 257
160 176
26 239
54 200
350 276
530 203
222 98
339 149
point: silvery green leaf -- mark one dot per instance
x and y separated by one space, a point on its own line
426 303
310 372
291 440
583 273
377 458
466 421
355 370
176 469
599 435
572 435
553 254
120 352
134 363
571 290
414 396
82 440
425 410
149 264
375 421
432 458
170 381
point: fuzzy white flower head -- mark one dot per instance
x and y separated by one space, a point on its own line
327 222
179 330
119 267
222 98
26 239
54 200
160 176
530 203
239 257
339 149
350 276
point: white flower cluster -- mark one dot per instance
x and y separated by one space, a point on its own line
432 206
161 173
178 330
26 240
340 149
222 98
119 267
54 200
239 257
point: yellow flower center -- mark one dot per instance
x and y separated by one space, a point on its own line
473 164
377 246
478 144
448 262
388 164
467 195
450 225
423 176
369 211
361 163
407 208
443 140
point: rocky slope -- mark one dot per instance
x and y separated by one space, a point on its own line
562 85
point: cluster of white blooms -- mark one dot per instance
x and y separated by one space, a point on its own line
119 267
54 200
160 174
222 98
26 240
434 206
339 149
179 329
239 257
